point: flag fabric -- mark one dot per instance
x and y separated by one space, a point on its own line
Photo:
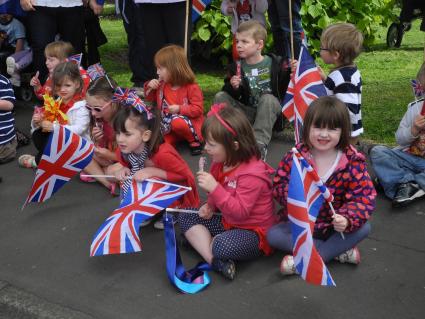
198 6
121 94
135 101
418 90
12 7
96 71
65 155
191 281
304 87
75 58
119 234
305 197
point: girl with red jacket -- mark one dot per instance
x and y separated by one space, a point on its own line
178 97
239 187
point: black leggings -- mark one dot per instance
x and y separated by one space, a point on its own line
39 139
235 244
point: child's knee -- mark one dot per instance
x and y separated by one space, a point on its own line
378 151
222 97
269 102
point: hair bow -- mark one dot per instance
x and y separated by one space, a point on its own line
129 97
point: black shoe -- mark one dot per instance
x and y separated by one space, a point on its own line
225 267
195 148
407 193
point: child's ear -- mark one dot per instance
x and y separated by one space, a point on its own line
146 136
261 45
236 145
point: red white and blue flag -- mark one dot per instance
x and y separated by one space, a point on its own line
305 86
135 101
119 234
65 155
96 71
121 94
306 194
198 6
418 90
76 58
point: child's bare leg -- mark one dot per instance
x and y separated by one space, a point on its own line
111 169
95 169
200 239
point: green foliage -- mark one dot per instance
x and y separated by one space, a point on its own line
212 36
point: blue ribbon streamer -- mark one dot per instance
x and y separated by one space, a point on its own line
191 281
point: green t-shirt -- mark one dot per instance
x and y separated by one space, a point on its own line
258 76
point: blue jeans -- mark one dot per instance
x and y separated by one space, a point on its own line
280 237
393 167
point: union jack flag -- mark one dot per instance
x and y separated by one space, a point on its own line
134 100
65 155
305 86
96 71
198 6
75 58
418 90
119 233
306 193
121 94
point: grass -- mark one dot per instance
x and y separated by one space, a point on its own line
386 75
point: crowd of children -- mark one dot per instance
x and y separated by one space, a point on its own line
238 221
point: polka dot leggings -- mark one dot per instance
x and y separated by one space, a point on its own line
235 244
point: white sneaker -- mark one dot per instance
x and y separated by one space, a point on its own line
146 222
11 66
287 266
351 256
15 80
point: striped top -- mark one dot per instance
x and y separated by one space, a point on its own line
345 83
7 122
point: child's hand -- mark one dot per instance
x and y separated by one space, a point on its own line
174 109
205 212
154 84
46 126
122 174
37 118
323 76
145 173
340 223
97 134
235 82
35 81
28 5
101 152
418 125
294 64
206 181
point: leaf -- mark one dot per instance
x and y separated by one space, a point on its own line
204 34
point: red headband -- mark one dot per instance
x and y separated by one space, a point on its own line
215 108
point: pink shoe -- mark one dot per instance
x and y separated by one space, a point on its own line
86 179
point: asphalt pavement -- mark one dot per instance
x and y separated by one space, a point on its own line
46 271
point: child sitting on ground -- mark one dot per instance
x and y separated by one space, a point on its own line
143 155
56 52
257 83
342 169
340 44
68 85
401 170
241 11
8 142
239 187
178 97
13 38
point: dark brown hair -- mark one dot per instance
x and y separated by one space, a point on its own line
173 58
237 120
65 70
328 112
59 49
130 113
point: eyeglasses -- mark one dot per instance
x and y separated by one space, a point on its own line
324 49
97 108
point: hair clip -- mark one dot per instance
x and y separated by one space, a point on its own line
120 94
135 101
76 58
215 109
96 71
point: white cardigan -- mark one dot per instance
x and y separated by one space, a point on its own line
58 3
258 10
78 120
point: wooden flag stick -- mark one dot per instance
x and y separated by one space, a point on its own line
333 211
184 211
186 28
291 31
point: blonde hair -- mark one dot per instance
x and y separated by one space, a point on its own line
343 38
173 58
255 28
421 75
59 49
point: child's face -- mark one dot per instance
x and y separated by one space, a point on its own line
98 107
5 18
51 63
132 141
247 46
163 74
327 56
324 139
215 150
67 89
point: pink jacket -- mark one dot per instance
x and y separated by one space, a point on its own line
245 199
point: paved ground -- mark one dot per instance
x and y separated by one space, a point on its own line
46 271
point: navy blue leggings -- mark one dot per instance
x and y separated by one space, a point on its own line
235 244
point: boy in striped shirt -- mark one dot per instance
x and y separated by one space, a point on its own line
8 142
341 43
